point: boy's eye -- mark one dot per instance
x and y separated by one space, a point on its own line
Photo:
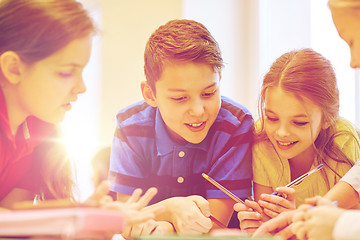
209 94
178 99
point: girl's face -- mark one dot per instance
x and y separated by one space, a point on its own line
291 125
48 86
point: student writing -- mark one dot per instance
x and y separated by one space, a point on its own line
300 128
184 127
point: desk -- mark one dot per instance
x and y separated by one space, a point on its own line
205 237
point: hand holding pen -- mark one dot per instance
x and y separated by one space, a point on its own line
298 180
284 198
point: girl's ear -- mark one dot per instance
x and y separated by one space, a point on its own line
10 64
148 94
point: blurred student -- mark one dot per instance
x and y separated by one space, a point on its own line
299 129
44 47
183 128
100 165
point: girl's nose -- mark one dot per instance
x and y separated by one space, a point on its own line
79 87
282 131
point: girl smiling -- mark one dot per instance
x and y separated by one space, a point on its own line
299 129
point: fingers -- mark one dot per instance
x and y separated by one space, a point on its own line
145 199
312 201
240 207
274 205
101 191
253 206
276 224
318 201
288 192
286 233
249 220
202 226
202 204
140 229
135 196
299 229
298 222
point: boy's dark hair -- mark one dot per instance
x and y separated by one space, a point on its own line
180 41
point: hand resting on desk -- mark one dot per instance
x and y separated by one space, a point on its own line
133 209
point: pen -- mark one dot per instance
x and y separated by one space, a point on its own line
301 178
219 186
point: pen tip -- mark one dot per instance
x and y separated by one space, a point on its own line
204 175
320 166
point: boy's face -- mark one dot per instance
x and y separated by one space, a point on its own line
188 98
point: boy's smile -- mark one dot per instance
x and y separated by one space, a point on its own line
188 98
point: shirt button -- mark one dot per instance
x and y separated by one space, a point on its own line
180 179
181 153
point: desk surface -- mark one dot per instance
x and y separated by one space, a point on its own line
204 237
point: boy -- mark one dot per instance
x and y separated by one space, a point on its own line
183 128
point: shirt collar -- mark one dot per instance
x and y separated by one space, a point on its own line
165 144
4 118
5 124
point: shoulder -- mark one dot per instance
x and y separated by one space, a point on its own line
344 125
346 134
137 113
233 111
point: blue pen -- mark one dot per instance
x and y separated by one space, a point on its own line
301 178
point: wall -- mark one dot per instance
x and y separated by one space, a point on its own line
126 27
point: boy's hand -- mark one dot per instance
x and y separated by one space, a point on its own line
249 220
273 205
189 215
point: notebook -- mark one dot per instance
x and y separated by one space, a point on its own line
69 222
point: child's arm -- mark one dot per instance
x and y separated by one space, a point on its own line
221 209
344 194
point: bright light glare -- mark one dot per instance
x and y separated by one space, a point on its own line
81 146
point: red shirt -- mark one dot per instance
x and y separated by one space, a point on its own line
17 161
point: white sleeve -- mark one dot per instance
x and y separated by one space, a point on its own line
347 227
352 177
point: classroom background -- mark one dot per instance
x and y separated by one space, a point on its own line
251 35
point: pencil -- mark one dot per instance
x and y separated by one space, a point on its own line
220 224
219 186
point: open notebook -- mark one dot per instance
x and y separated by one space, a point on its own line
69 222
